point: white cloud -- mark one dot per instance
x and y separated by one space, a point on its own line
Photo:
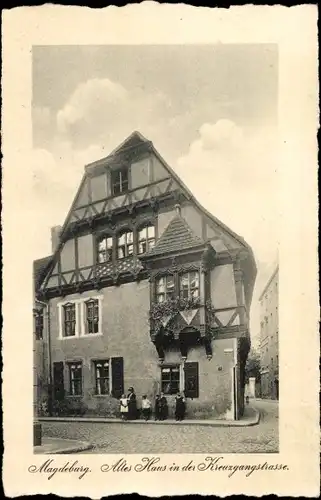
88 99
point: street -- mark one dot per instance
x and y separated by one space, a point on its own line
176 438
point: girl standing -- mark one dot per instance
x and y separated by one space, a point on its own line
123 407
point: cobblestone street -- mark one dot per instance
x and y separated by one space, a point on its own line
176 438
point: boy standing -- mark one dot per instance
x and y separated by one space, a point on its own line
146 408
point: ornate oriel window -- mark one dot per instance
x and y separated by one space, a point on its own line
69 320
102 377
189 286
92 316
119 181
146 238
165 288
75 379
125 244
104 248
170 379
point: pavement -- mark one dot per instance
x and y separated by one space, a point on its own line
173 437
251 417
53 445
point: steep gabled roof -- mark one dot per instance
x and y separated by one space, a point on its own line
135 139
177 236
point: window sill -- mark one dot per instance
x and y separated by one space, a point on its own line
84 335
101 395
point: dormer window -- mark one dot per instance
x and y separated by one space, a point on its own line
189 285
119 181
125 244
104 249
146 238
165 288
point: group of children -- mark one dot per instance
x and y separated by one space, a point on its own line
128 408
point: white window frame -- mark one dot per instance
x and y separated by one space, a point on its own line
80 313
100 360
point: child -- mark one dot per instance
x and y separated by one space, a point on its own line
124 407
180 408
146 408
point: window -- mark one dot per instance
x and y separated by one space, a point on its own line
69 320
125 246
92 316
80 317
119 181
189 285
170 379
146 238
102 377
272 361
105 249
75 379
39 324
165 288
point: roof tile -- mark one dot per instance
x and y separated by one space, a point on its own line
177 236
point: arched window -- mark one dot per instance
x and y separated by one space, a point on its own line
105 248
146 238
125 245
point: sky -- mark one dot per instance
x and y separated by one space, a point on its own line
210 110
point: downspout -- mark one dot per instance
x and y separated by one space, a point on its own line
47 306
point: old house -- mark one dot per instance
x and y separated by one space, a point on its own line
145 288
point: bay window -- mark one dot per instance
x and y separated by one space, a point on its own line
165 288
189 285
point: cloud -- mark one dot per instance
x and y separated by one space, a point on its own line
233 172
89 99
100 110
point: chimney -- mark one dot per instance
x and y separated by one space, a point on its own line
55 237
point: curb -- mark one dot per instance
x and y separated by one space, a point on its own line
212 423
81 446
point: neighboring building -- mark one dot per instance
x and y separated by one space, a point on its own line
146 289
40 339
269 341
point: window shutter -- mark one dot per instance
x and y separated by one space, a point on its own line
117 377
58 380
191 380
